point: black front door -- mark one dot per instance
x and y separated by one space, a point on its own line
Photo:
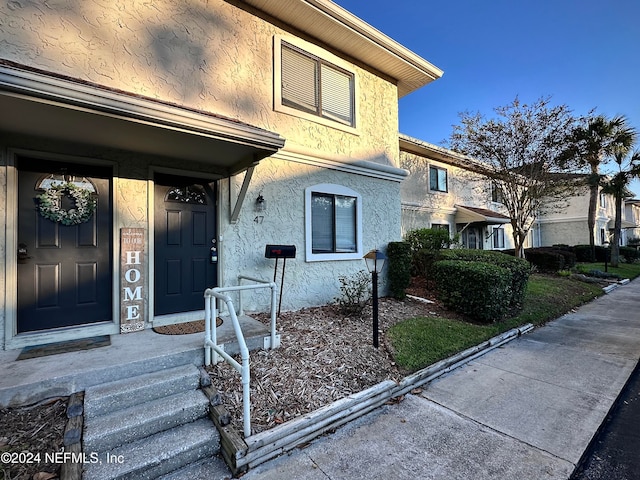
185 233
64 271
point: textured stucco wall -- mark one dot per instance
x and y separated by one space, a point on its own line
464 187
204 54
212 56
283 184
566 233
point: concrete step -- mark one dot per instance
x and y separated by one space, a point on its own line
212 468
159 454
106 432
121 394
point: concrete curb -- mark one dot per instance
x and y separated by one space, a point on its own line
266 445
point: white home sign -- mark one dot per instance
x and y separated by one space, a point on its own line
132 280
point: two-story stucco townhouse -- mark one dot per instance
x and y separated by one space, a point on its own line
152 149
448 190
570 225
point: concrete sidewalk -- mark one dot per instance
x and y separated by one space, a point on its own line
527 410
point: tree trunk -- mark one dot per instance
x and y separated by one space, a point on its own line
591 221
617 229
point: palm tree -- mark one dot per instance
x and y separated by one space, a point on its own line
590 145
617 185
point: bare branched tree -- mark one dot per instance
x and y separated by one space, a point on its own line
520 147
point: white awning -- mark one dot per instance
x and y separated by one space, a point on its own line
37 103
468 215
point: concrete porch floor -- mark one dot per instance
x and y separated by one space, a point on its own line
24 382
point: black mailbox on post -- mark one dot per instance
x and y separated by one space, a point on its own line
280 251
277 252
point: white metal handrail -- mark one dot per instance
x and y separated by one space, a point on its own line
211 347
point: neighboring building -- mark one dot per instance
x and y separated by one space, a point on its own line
204 131
632 215
448 190
570 225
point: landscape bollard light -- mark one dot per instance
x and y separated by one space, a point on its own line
606 255
375 261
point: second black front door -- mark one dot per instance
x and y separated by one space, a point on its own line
185 233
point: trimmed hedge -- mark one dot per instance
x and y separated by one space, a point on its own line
399 268
423 261
630 254
545 260
583 253
518 268
479 290
551 259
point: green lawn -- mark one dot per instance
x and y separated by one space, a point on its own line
421 341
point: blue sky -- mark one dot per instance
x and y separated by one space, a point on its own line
582 53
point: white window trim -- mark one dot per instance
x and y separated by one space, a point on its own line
446 187
498 232
278 106
331 189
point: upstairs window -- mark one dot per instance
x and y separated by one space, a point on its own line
496 194
603 200
312 85
437 179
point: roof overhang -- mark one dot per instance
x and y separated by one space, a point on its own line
441 154
623 224
479 215
40 104
343 31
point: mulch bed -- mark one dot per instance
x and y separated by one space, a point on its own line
33 432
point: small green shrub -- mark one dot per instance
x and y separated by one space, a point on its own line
355 293
428 238
399 268
479 290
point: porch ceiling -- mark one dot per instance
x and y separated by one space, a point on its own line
36 103
479 215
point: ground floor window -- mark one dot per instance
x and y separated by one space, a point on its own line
440 226
498 237
333 217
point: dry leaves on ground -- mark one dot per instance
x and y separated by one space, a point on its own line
323 357
34 430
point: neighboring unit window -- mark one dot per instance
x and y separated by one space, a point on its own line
437 179
440 226
603 200
496 194
313 85
498 237
333 223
